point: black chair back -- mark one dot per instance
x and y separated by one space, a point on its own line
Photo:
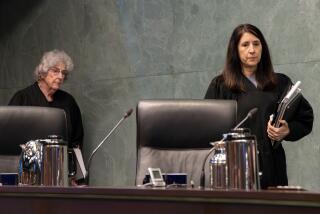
20 124
175 135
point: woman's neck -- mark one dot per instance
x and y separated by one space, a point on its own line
249 71
47 92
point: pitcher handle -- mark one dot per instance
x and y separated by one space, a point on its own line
72 163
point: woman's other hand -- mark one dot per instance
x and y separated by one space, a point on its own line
280 133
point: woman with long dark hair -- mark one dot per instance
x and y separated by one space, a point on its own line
248 77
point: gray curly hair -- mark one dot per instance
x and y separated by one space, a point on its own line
50 59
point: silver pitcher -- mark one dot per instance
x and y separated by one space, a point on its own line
242 160
44 162
30 163
217 166
54 166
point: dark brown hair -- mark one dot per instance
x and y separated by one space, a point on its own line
232 73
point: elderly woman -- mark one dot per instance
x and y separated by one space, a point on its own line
50 74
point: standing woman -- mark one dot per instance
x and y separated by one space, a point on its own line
50 74
248 77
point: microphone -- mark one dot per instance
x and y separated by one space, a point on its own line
202 176
126 115
249 116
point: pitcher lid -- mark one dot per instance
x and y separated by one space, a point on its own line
54 140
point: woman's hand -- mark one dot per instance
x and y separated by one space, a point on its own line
280 133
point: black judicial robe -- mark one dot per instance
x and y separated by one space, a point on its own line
33 96
272 162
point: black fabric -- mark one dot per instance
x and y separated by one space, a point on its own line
175 135
299 117
33 96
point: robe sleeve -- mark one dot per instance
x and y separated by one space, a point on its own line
214 90
77 132
17 100
299 115
301 123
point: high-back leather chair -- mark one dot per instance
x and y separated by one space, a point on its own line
20 124
175 135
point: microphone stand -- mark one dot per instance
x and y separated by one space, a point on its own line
249 116
128 113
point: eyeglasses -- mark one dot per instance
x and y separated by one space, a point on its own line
56 71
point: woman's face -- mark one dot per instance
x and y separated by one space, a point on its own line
249 49
55 76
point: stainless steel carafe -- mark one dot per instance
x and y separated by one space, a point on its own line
54 166
241 160
217 166
44 162
30 163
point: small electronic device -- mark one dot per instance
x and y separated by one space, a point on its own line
156 177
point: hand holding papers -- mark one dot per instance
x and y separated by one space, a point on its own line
285 103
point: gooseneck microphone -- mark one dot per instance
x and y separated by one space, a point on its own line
126 115
202 176
249 116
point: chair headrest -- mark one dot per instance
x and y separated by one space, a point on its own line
20 124
183 123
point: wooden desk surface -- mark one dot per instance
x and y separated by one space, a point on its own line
32 199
